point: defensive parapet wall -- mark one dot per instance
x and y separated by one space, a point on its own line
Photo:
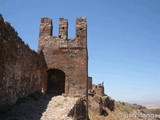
21 69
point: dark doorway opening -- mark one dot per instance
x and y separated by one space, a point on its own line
56 81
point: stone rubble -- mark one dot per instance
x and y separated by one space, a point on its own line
58 108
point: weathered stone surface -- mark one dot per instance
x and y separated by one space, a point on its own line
21 69
79 110
95 103
68 56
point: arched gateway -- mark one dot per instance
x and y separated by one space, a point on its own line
55 81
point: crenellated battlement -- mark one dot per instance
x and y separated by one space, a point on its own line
81 27
46 27
63 28
62 40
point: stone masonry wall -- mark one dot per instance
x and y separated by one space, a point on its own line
21 69
67 55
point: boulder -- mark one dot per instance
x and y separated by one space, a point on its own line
108 102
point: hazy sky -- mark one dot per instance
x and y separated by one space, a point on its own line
123 39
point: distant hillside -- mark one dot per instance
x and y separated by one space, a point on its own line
152 106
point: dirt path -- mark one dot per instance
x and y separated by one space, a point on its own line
45 107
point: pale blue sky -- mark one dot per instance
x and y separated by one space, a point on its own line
123 40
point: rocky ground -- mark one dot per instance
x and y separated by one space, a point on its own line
50 107
43 107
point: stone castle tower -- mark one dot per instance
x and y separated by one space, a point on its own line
66 59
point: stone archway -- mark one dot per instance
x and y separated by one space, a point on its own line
56 81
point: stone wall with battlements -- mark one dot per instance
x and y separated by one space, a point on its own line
67 55
21 69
